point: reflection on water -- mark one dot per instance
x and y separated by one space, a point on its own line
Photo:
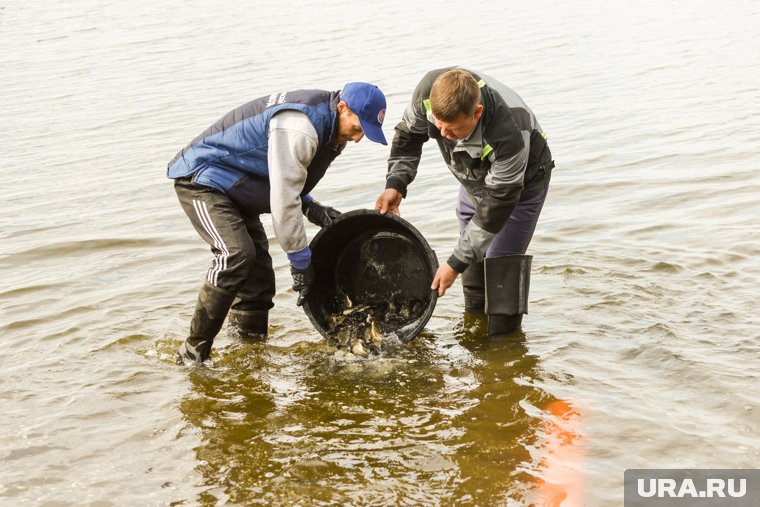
499 430
560 481
455 417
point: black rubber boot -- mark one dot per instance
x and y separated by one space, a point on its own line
250 324
507 286
474 288
210 312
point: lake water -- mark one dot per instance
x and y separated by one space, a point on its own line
642 346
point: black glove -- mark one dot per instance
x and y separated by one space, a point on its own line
318 214
302 281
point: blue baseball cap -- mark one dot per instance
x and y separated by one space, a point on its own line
368 103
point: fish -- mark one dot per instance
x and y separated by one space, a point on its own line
357 348
375 333
360 328
355 309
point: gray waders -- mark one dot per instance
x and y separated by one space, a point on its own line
499 287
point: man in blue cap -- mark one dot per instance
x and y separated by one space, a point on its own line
263 157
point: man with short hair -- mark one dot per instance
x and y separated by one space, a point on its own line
263 157
494 145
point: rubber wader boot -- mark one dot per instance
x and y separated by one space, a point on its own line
474 288
250 324
210 311
507 286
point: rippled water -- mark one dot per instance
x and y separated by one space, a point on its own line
641 347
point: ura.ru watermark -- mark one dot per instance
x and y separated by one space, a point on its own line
692 487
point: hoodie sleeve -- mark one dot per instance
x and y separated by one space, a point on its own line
292 146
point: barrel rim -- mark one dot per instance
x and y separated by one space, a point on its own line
405 333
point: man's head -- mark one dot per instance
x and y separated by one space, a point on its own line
361 112
455 103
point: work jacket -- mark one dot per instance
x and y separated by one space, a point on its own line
504 160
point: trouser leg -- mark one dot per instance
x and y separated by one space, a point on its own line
516 234
250 313
218 221
258 290
513 238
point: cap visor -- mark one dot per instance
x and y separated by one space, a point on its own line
373 133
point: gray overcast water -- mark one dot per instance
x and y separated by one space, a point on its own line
641 349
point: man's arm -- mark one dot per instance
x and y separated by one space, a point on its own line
406 149
292 146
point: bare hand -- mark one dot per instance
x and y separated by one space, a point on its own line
389 200
444 278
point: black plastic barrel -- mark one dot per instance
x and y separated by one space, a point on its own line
369 259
